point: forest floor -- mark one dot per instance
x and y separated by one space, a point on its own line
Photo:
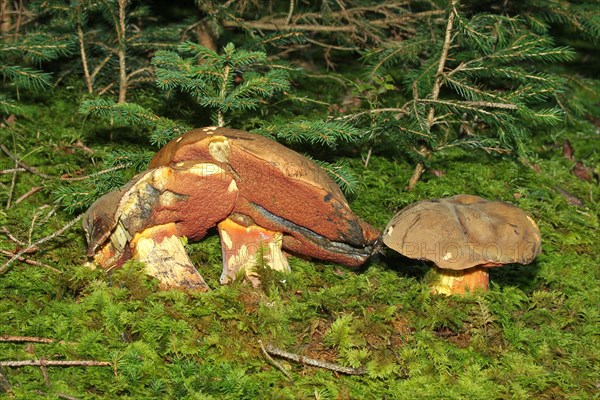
534 334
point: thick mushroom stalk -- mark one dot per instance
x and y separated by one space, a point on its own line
463 236
242 246
161 249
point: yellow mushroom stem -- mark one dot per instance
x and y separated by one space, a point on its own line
243 245
162 251
449 281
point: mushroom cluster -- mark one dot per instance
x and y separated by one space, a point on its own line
463 236
262 196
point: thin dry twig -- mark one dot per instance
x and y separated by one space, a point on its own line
35 171
30 339
21 164
272 361
54 363
65 396
30 261
59 232
11 237
12 170
311 361
5 386
31 192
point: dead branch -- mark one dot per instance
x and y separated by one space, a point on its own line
31 192
12 170
121 36
281 24
11 237
59 232
81 178
35 171
311 361
84 60
29 261
272 361
31 339
425 152
21 164
54 363
65 396
13 183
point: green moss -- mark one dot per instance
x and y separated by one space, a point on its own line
533 335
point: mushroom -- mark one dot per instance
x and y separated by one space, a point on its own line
148 217
280 191
263 196
463 235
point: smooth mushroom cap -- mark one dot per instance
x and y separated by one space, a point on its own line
281 190
464 231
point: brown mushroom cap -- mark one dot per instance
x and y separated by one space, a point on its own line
464 231
280 190
193 195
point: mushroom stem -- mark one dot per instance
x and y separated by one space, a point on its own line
460 281
163 253
243 245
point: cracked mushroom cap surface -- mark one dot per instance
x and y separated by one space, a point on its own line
464 231
195 196
280 190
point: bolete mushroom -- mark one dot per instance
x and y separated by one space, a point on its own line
463 235
147 218
263 196
280 191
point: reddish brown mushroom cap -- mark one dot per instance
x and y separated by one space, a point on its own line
154 210
464 231
282 191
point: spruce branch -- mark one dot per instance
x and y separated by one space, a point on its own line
84 61
122 48
424 151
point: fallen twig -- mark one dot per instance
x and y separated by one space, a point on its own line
21 164
11 237
55 363
31 192
31 339
29 261
275 363
311 361
59 232
21 167
43 364
12 170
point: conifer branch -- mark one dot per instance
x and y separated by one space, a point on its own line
424 151
442 62
84 61
122 46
